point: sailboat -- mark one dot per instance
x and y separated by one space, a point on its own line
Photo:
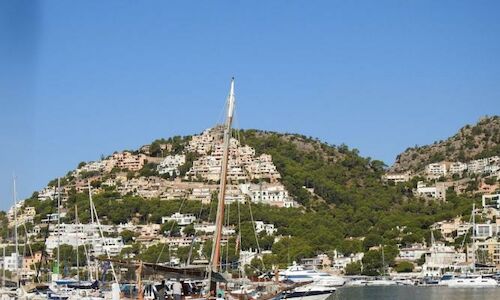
473 280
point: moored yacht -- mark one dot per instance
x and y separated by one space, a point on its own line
477 281
298 274
311 291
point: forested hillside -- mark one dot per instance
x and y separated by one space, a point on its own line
344 203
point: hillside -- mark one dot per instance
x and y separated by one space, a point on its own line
341 201
470 142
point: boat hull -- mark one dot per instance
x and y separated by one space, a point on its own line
472 283
308 295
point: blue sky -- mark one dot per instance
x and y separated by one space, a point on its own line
83 78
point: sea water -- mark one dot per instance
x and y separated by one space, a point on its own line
414 292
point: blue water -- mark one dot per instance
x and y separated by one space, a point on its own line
412 292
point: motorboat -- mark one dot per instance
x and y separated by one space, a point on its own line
299 274
446 279
382 281
311 291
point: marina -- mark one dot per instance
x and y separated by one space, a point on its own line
231 150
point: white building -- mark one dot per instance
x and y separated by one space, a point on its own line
9 263
491 201
272 194
180 219
413 252
340 261
88 234
48 193
487 230
397 177
93 166
438 191
268 228
171 163
436 169
483 165
202 194
457 167
209 228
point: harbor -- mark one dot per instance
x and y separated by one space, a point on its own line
231 150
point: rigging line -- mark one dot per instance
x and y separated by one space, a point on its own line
29 245
255 231
465 235
200 212
170 232
103 240
227 242
238 241
211 204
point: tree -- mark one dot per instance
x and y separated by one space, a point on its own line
189 230
404 267
353 268
372 263
128 236
170 228
155 253
372 240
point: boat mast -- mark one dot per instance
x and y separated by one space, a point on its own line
16 268
3 268
77 245
91 203
473 238
58 225
222 186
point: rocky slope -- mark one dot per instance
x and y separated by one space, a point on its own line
470 142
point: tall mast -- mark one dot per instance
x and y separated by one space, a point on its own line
473 238
3 267
16 268
222 186
77 244
58 225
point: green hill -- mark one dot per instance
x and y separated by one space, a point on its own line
344 203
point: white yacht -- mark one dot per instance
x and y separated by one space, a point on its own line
311 291
477 281
298 274
381 282
372 282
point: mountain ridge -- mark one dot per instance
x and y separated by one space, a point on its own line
470 142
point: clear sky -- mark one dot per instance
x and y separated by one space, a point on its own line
83 78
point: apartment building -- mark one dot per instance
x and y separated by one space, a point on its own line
272 194
457 167
436 170
170 165
269 229
438 191
490 248
397 177
88 234
263 168
180 219
127 160
146 187
491 200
